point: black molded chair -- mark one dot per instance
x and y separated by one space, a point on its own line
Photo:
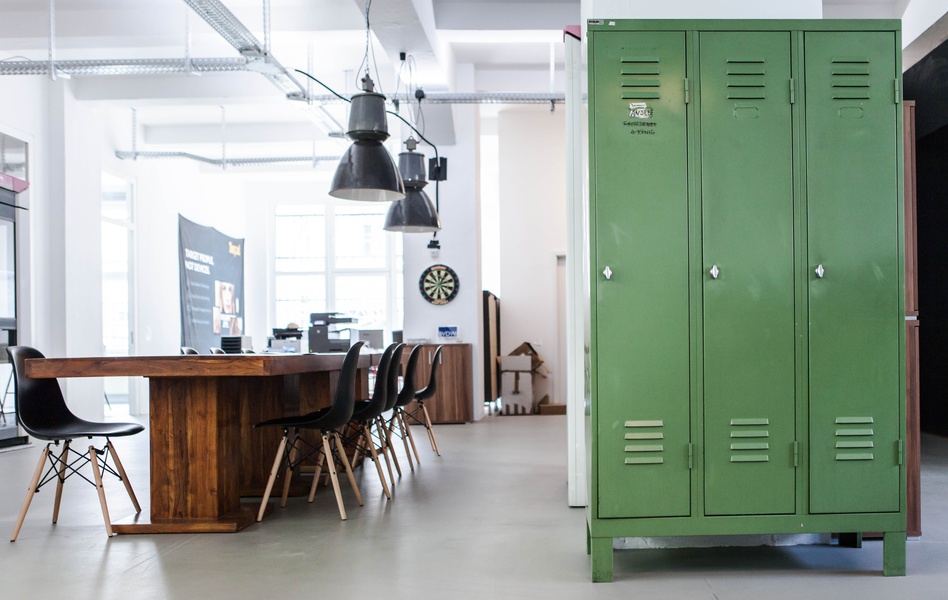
405 397
426 394
328 421
391 399
188 350
42 412
367 413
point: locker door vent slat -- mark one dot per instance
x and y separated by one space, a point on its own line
638 78
750 451
853 438
643 449
849 78
745 79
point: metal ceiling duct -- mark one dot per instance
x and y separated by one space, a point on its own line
244 41
145 66
223 162
465 98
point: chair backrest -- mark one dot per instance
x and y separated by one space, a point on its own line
188 350
391 394
432 386
344 400
217 351
40 407
383 383
408 381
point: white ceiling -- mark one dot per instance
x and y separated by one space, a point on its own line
324 37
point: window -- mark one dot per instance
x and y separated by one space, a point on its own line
118 242
335 257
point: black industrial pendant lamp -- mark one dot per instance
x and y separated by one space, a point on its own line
366 171
415 213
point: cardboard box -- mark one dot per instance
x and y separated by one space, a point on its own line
526 349
525 378
516 363
517 388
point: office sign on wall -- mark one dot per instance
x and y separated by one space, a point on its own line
212 285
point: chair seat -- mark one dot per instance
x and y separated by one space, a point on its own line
361 410
81 428
308 420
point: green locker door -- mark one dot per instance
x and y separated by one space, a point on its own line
747 208
854 290
641 228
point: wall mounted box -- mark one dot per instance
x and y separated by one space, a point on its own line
747 342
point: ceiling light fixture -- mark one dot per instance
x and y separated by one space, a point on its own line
366 171
415 213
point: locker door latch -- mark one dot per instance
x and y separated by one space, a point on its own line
820 271
714 272
607 272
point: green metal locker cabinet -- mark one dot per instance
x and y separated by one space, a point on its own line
746 293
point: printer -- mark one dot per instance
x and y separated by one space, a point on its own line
326 336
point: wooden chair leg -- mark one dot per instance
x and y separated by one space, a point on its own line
367 435
63 460
397 420
288 474
94 461
29 493
124 476
319 471
335 479
384 449
345 463
411 438
385 439
431 435
273 474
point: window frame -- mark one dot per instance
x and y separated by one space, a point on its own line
392 270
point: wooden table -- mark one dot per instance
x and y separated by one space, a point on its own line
204 452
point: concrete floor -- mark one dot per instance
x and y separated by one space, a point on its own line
488 519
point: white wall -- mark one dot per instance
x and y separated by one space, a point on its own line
532 231
919 16
701 9
460 245
71 143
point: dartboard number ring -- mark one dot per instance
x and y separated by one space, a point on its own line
439 284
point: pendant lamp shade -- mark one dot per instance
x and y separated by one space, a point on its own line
366 171
414 214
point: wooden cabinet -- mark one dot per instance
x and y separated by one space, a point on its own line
454 400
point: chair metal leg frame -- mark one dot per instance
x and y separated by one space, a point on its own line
385 439
292 452
407 433
381 446
364 445
427 423
338 453
396 419
60 469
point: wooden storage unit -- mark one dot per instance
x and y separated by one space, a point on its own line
454 401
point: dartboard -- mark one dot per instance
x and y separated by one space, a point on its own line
439 284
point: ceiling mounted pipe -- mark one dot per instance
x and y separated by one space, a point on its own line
219 162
